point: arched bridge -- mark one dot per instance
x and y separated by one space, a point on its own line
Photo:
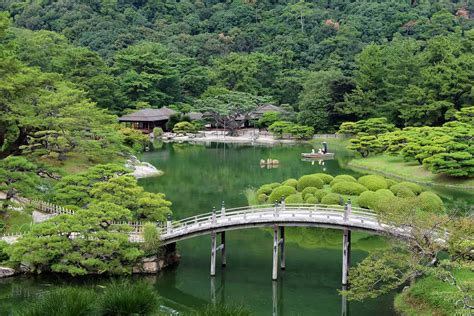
277 216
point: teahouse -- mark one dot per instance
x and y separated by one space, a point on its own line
147 119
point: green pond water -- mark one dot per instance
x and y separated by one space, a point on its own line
198 177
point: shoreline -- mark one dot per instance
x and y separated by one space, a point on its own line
142 169
356 167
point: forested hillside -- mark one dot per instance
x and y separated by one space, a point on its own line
332 61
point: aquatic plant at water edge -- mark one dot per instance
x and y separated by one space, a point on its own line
223 310
128 297
65 301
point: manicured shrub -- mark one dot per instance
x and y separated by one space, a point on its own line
390 182
277 193
342 178
308 190
321 193
128 298
296 198
367 199
291 182
373 182
349 188
405 192
327 178
332 199
397 187
262 198
309 181
65 301
274 185
265 189
430 202
311 199
157 131
384 193
415 188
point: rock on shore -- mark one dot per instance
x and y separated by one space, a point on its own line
142 169
6 272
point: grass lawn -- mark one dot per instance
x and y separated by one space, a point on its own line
410 171
16 222
76 163
430 296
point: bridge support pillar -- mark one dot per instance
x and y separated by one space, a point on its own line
213 253
275 253
223 250
346 256
282 248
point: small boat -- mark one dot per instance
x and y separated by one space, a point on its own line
318 155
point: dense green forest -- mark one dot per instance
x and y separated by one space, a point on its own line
332 61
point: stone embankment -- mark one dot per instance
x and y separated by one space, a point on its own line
6 272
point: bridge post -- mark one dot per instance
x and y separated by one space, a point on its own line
275 253
283 203
346 256
213 253
214 215
275 210
346 212
282 248
168 223
223 249
223 209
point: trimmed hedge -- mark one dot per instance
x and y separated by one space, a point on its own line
390 182
430 202
373 182
349 188
274 185
342 178
327 178
384 193
415 188
277 193
308 190
262 198
291 182
403 189
321 193
332 199
265 189
311 200
296 198
309 181
367 199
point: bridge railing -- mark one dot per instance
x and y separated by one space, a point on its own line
249 212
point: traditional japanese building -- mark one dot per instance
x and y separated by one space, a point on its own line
147 119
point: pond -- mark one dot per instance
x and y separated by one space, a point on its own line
200 176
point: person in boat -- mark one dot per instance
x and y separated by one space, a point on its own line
312 151
320 151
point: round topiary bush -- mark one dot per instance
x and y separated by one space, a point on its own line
349 188
262 198
309 181
321 193
384 193
291 182
390 182
308 190
311 200
367 199
404 192
373 182
265 189
274 185
342 178
332 199
277 193
415 188
430 202
327 178
296 198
